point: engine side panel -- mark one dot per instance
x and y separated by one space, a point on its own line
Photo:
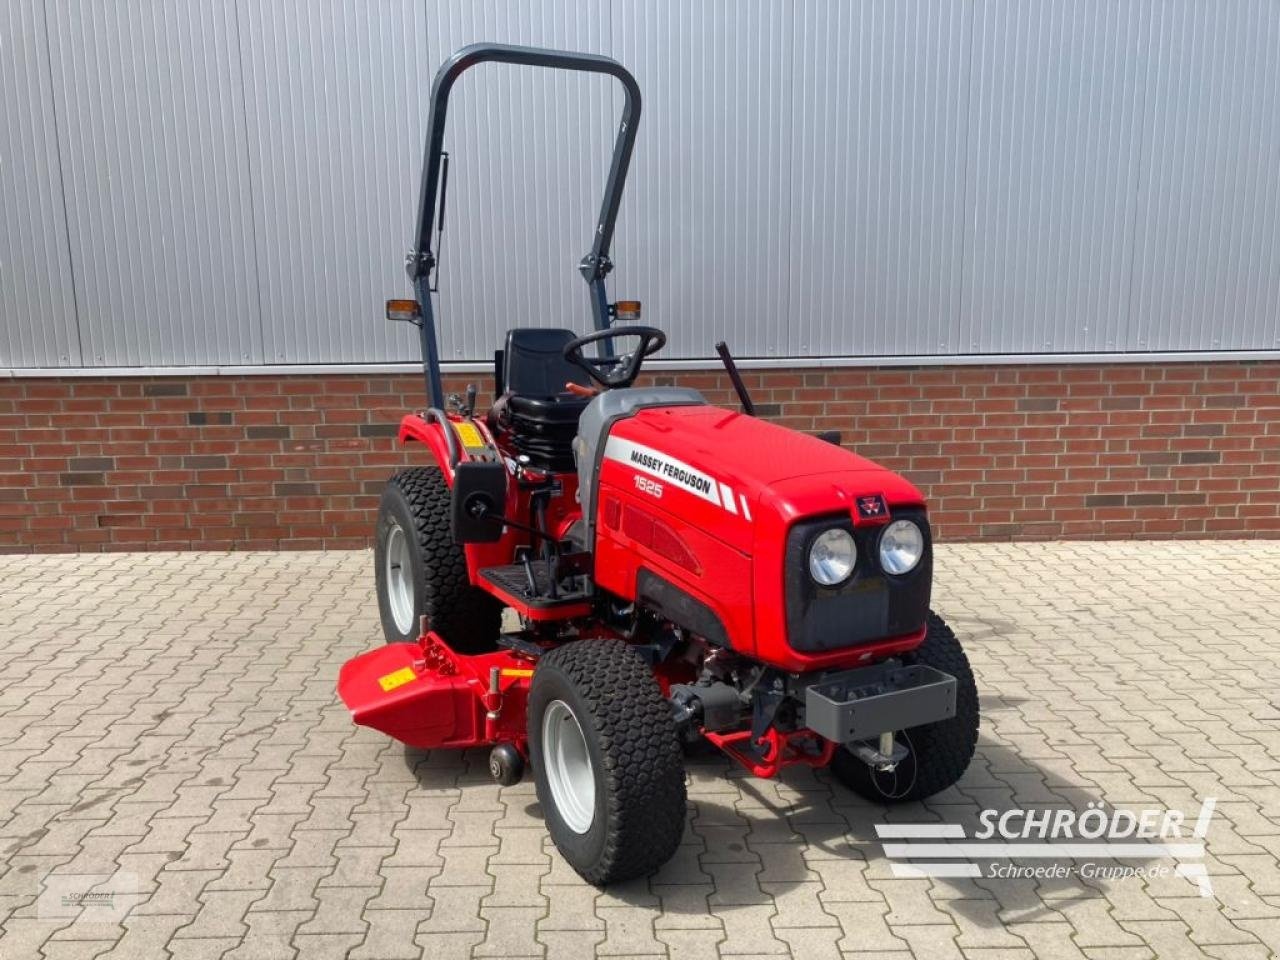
635 534
653 454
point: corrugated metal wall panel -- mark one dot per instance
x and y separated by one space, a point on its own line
1053 159
876 206
812 179
335 105
37 301
156 181
1207 260
703 235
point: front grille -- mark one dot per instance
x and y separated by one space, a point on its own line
870 605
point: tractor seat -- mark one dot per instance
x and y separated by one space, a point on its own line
548 411
533 407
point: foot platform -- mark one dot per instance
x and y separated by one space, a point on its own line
529 588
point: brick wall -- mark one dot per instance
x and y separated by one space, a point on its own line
297 462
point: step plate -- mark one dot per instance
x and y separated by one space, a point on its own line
511 582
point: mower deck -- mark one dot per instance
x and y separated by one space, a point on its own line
427 696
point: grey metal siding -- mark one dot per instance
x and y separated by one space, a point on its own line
37 303
877 201
156 181
1056 96
1207 252
703 239
335 126
233 181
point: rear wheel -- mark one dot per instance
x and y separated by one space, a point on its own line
419 570
606 760
937 753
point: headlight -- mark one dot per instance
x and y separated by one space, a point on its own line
832 556
901 547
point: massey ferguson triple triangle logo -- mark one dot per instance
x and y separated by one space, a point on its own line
872 507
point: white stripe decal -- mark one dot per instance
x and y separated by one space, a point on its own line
727 493
664 467
746 510
917 870
1043 850
919 831
1206 814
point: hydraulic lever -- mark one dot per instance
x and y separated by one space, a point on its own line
735 378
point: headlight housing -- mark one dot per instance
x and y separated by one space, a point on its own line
901 547
832 556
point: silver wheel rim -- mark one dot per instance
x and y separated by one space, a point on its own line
568 767
399 579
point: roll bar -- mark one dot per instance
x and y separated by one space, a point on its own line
595 266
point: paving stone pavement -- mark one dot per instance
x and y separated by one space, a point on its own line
170 743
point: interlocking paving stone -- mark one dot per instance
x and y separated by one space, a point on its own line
171 719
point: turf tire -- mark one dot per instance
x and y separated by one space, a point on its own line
939 752
635 758
418 502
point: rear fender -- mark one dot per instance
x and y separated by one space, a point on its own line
430 432
415 428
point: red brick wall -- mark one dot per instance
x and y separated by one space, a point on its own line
297 462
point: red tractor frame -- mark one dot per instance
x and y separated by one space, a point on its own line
596 573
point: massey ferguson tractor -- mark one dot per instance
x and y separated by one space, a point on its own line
671 571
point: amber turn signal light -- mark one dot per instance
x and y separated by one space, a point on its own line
627 310
406 310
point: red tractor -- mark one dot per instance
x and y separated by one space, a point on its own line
679 571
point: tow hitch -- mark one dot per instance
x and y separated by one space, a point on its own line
886 758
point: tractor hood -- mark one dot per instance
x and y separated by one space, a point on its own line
739 466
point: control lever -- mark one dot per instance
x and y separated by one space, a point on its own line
735 378
528 574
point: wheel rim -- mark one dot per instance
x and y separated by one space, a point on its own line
568 767
399 579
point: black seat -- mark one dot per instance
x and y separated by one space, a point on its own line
533 364
534 407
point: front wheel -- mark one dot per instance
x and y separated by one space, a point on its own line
606 760
937 753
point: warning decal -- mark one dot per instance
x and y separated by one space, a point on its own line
469 434
398 679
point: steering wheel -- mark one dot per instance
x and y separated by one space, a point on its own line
619 371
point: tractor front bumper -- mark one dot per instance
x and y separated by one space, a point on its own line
861 704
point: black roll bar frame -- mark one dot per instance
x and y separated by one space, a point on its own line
595 266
